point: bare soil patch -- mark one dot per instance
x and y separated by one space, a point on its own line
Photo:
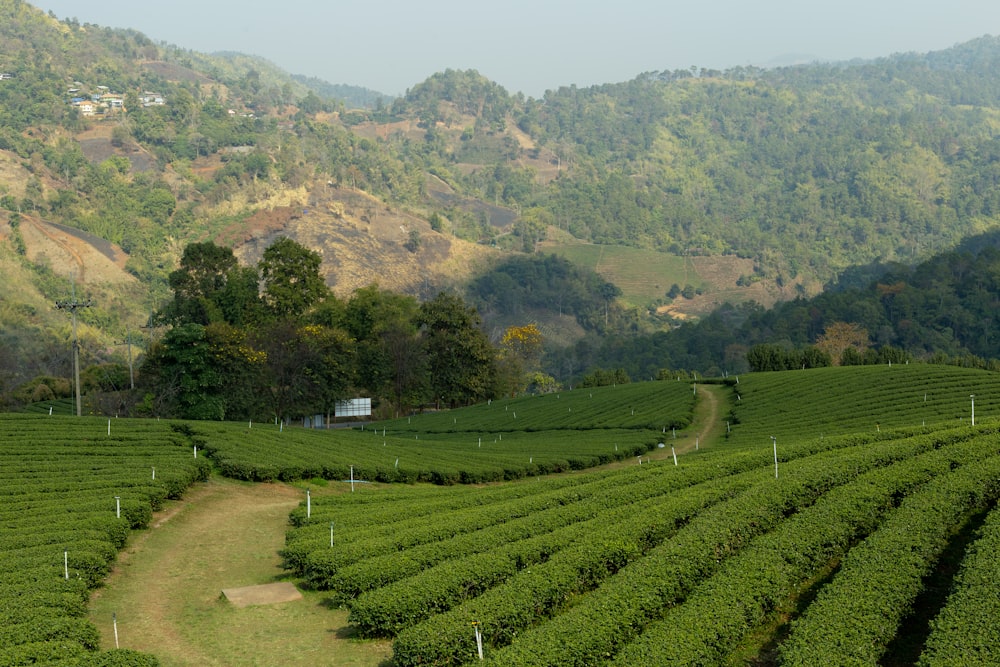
73 252
283 591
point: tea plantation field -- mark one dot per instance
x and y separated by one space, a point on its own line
847 516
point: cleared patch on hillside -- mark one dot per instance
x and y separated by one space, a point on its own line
73 253
362 241
645 277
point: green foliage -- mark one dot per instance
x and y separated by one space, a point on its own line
854 618
957 634
291 278
523 283
602 378
718 615
460 359
60 515
770 357
834 401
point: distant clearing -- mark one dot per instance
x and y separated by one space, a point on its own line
645 277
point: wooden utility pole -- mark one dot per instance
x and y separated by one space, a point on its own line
73 306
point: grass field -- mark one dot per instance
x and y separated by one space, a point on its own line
166 588
644 276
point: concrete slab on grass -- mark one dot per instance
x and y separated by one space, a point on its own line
263 594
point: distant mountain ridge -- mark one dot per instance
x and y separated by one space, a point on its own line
798 172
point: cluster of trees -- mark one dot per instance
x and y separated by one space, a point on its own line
273 341
526 283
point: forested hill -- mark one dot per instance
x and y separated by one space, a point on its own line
792 175
810 168
946 309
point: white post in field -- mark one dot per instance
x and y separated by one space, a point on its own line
774 441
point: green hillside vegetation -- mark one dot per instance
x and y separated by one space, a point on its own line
843 518
942 310
790 175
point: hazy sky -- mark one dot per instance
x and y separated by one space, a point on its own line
534 45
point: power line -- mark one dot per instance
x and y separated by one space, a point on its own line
73 306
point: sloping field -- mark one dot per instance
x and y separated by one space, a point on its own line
861 542
821 402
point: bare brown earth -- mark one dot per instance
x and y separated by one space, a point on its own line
362 241
73 253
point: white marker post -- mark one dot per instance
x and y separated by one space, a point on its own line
973 398
308 504
154 472
352 479
66 564
331 534
774 441
109 427
114 621
118 507
479 639
674 453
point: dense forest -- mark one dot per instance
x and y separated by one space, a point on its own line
866 177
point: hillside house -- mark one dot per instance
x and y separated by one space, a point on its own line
149 99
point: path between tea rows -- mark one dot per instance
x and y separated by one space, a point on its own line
166 585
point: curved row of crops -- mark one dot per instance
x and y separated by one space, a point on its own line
496 441
652 564
697 562
70 492
822 402
962 633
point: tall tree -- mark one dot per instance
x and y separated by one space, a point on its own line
210 286
291 277
390 361
838 337
461 362
203 372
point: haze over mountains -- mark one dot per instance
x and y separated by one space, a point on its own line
742 185
532 47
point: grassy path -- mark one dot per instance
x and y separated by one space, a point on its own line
166 587
708 409
707 426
